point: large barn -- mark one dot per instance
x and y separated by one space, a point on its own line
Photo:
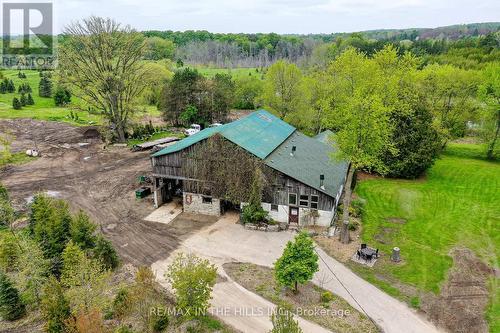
308 182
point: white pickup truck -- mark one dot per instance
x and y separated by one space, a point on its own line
195 128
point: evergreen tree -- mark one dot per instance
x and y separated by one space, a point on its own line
3 87
62 96
30 100
82 231
55 307
72 258
45 87
11 88
24 88
16 104
106 253
50 223
23 100
11 306
9 252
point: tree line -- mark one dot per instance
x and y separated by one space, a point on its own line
464 46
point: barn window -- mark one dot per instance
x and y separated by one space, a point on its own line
304 201
274 207
292 199
314 201
206 200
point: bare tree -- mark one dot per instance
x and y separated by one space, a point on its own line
100 61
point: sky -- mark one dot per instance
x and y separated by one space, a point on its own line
280 16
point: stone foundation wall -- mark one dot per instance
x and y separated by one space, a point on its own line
193 203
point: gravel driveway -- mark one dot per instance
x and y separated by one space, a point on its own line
225 241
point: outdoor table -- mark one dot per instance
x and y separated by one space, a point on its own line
368 253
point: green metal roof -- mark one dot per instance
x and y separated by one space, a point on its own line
189 141
259 133
311 159
272 139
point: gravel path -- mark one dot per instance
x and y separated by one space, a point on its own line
226 241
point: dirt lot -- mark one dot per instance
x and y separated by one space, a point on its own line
100 181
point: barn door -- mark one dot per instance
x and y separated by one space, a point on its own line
293 215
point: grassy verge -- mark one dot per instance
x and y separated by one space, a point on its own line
16 159
457 204
311 303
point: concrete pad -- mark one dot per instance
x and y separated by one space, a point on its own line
166 213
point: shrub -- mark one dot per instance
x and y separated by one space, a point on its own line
11 306
86 322
326 297
160 322
357 207
253 214
283 322
121 303
353 226
192 278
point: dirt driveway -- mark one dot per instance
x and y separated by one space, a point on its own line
226 241
102 182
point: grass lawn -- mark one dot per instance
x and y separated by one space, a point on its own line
44 108
457 204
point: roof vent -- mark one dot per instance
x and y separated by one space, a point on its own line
322 182
294 149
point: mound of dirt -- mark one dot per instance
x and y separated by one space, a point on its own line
464 297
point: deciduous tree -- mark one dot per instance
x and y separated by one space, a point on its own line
283 90
361 118
489 92
101 59
298 263
192 278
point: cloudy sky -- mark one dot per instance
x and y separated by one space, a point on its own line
281 16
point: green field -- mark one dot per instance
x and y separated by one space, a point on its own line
457 204
44 108
234 72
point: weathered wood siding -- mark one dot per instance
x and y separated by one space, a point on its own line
173 166
286 185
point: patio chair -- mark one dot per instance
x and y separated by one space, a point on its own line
376 253
368 257
358 254
363 246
